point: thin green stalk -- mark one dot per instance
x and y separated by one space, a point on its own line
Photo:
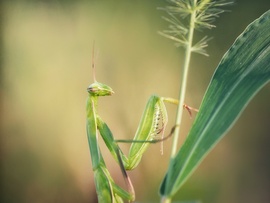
182 93
183 88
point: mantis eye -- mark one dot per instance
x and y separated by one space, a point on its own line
90 89
99 89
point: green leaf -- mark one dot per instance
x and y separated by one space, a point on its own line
242 72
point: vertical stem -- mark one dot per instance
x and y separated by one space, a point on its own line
188 51
182 92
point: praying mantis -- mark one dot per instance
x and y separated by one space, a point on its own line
151 130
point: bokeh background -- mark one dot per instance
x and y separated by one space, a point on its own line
46 67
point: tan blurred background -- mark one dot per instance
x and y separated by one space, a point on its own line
45 70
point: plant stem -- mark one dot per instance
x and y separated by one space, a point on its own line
188 51
182 92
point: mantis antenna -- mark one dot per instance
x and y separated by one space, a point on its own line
93 63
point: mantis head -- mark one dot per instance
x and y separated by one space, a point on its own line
99 89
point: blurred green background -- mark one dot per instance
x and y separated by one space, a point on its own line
45 70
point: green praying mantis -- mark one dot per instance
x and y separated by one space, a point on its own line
151 130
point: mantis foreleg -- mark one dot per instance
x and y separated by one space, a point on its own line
151 129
